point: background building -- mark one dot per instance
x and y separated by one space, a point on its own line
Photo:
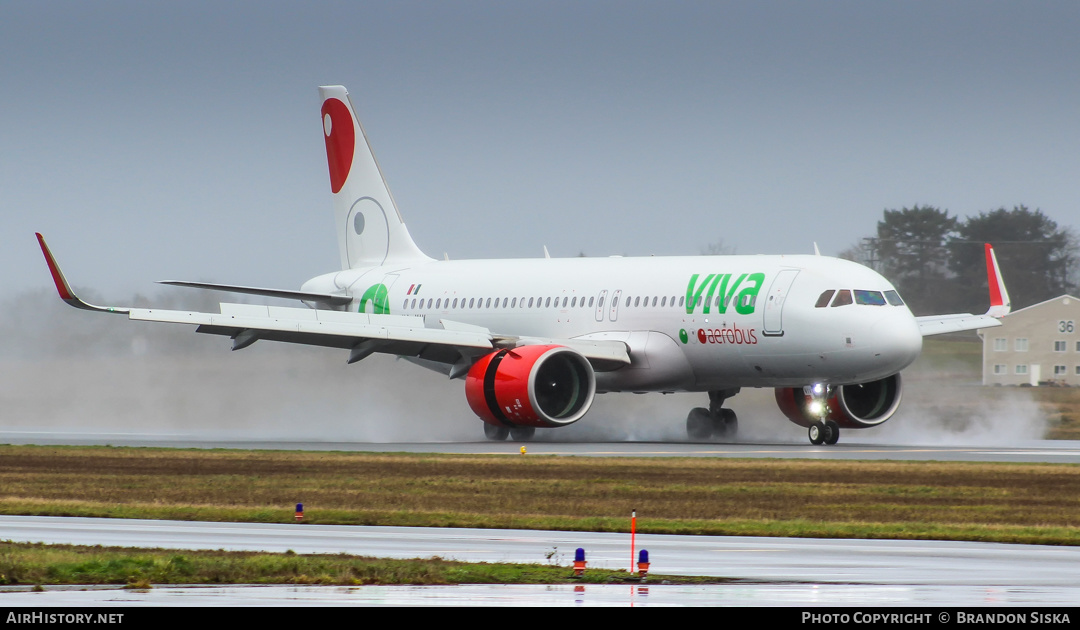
1037 344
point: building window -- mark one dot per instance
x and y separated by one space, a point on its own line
1000 368
1060 346
1021 369
1059 370
1001 344
1078 370
1021 344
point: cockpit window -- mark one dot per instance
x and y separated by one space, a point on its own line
894 298
823 301
843 298
872 298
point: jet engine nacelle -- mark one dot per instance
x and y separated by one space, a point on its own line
851 406
537 386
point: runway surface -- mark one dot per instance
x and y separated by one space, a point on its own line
788 570
1044 451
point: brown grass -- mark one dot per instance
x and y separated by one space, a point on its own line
686 495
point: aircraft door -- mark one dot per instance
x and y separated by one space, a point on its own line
773 324
600 305
614 314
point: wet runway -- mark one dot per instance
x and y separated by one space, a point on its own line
1043 451
790 570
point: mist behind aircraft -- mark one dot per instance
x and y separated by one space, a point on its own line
64 371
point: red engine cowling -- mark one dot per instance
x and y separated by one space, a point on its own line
851 406
537 386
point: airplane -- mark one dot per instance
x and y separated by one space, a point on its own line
536 339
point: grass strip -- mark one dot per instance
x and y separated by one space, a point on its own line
1002 502
141 568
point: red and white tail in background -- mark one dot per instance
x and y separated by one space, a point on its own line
999 296
369 227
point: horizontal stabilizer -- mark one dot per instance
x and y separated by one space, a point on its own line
325 298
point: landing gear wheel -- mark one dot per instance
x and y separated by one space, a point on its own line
832 432
816 432
728 423
493 432
699 424
522 434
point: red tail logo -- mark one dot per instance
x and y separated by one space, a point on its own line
340 141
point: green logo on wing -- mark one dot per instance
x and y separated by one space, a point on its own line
379 297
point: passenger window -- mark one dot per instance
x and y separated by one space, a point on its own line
823 301
843 298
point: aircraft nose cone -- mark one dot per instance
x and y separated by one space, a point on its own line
897 340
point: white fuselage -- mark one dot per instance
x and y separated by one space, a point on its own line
692 323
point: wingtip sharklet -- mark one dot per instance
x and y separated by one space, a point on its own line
1000 305
62 286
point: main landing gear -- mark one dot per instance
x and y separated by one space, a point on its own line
516 434
716 421
822 430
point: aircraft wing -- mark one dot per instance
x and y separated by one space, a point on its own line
957 322
1000 306
453 343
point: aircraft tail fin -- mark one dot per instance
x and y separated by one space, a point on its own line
369 226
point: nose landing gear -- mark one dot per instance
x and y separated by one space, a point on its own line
823 430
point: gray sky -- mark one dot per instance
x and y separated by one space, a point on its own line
153 141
